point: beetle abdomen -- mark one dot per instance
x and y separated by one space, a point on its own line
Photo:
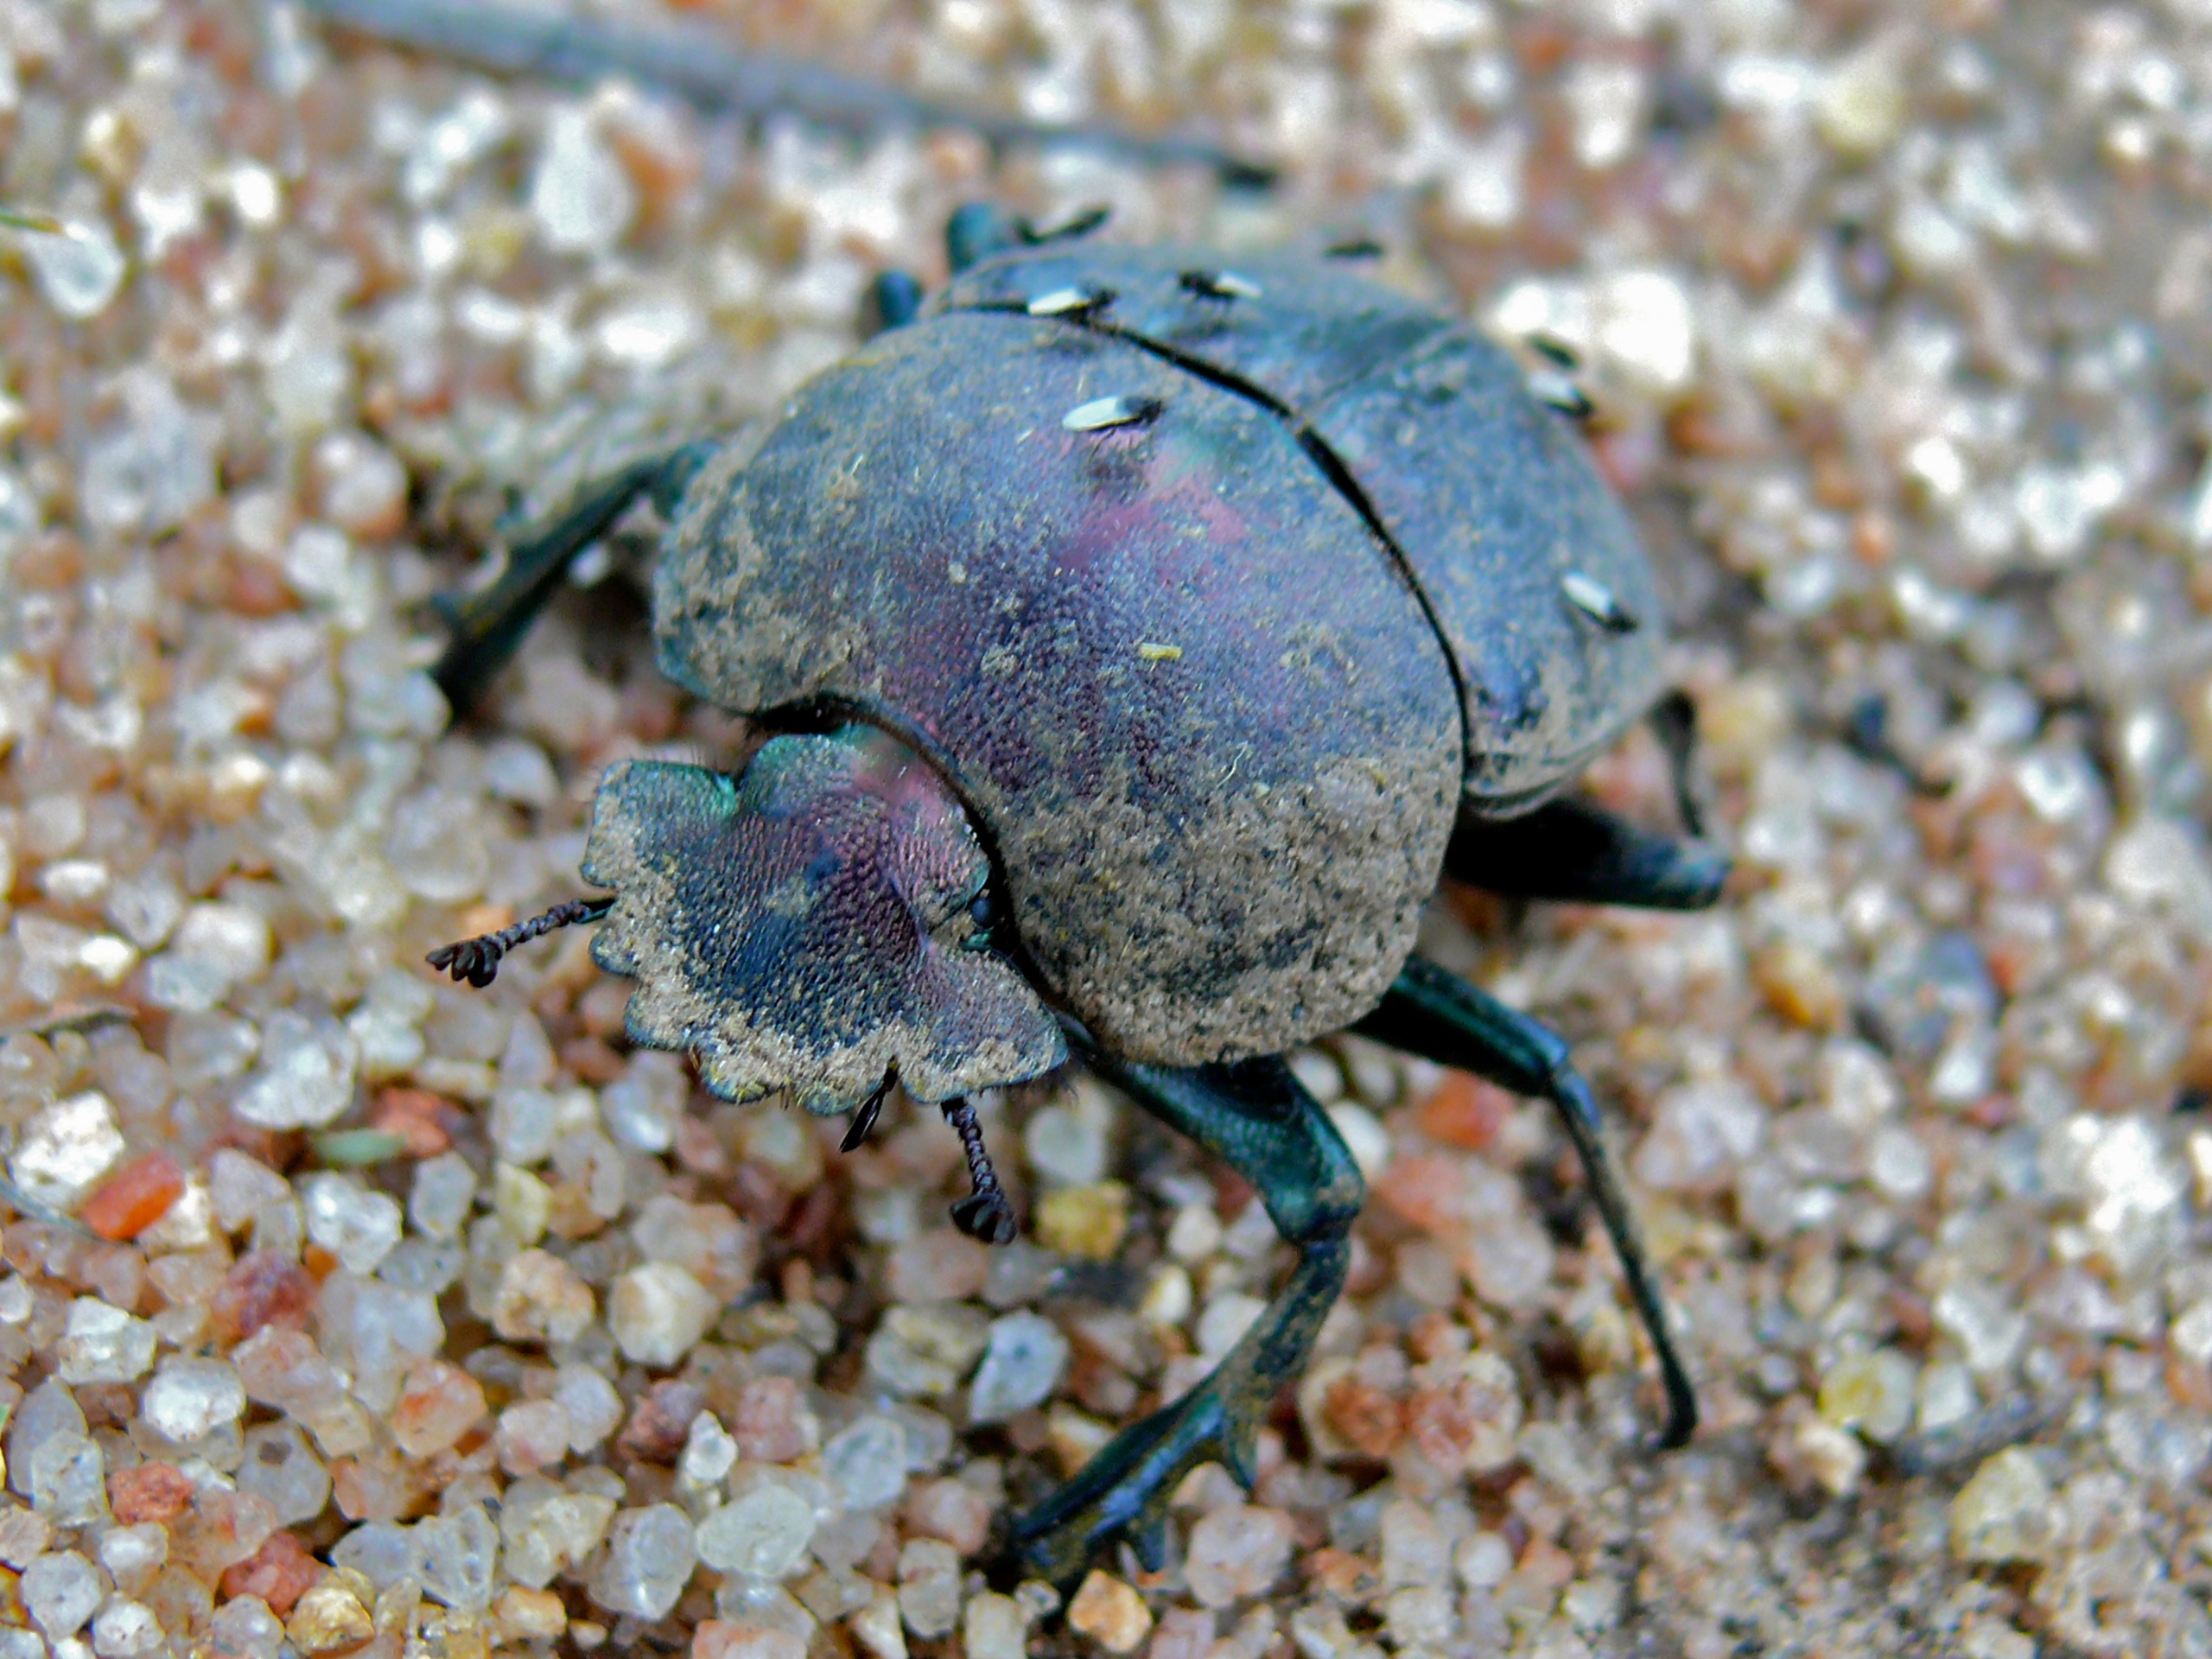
1194 703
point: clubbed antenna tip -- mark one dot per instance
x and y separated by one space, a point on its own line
476 962
985 1213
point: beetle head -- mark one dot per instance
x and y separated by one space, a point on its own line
806 925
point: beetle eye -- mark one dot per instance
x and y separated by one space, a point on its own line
982 918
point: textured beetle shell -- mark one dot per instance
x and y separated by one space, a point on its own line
1491 499
1186 692
801 926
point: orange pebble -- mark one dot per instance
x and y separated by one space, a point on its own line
1464 1111
421 1120
149 1492
1367 1418
136 1196
1428 1189
256 587
261 1289
280 1572
1340 1573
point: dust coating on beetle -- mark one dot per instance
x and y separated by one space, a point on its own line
1485 498
1211 855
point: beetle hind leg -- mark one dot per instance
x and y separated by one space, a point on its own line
1442 1018
1255 1115
1572 850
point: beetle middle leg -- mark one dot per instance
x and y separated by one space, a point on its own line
1673 720
1255 1115
1440 1017
488 624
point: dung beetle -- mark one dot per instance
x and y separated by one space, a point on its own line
1140 639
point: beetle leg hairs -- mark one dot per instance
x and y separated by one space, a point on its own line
477 961
984 1213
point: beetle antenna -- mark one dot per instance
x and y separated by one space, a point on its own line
864 1118
477 961
984 1213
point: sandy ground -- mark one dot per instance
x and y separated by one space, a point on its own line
349 1310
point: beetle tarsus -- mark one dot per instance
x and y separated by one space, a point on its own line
1866 734
486 626
476 962
985 1213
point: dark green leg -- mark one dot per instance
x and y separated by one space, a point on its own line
1441 1017
1255 1114
981 230
1571 849
976 232
893 300
489 625
1674 723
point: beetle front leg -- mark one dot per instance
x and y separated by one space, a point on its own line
1255 1114
488 624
